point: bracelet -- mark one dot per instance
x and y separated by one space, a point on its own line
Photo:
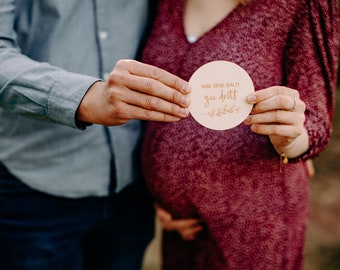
283 160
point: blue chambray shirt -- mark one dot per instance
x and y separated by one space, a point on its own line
51 52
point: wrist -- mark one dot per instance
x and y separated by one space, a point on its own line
85 112
295 148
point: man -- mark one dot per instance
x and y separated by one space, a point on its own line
70 190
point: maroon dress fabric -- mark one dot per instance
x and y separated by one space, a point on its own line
255 216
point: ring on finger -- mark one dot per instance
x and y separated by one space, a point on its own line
294 104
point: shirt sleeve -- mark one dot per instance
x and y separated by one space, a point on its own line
311 67
34 89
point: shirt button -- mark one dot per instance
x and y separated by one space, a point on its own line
103 35
105 76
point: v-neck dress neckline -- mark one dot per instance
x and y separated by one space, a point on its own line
180 12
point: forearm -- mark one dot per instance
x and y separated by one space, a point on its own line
316 85
39 90
31 88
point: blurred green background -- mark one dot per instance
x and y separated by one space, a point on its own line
323 241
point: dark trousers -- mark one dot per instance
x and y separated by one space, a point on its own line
43 232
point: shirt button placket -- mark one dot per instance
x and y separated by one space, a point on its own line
103 35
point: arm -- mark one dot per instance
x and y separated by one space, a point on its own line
34 89
42 91
310 68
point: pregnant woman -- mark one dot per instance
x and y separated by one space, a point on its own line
249 184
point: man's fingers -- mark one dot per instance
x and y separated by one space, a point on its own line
187 228
135 91
151 106
126 104
158 89
156 92
162 214
190 233
183 226
148 71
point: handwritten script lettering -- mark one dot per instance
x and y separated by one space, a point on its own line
222 97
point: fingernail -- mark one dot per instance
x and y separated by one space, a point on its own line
185 100
184 111
247 120
186 88
252 99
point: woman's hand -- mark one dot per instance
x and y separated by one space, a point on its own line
187 228
280 113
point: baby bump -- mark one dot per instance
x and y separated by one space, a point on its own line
165 157
182 159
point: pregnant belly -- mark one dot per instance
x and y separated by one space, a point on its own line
183 160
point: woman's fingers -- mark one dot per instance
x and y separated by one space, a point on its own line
276 102
279 122
273 91
279 113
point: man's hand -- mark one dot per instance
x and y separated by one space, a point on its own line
187 228
135 91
